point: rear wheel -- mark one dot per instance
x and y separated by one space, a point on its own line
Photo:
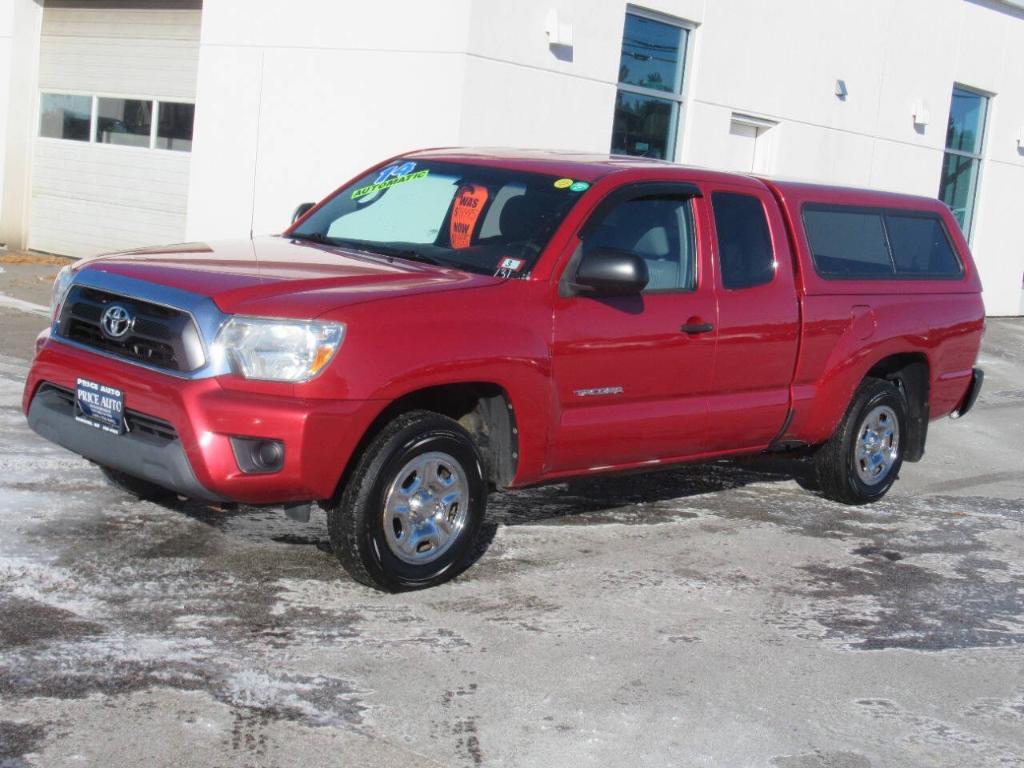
410 514
862 459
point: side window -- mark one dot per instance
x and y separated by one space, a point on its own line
920 246
660 230
847 243
745 253
873 243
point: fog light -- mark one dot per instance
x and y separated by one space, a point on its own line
256 455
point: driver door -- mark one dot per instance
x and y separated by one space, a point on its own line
633 373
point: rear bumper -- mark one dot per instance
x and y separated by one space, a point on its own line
194 456
971 396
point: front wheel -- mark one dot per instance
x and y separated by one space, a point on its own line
862 459
410 514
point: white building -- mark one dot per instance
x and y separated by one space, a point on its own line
291 99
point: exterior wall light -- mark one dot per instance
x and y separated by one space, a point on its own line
920 112
559 32
841 91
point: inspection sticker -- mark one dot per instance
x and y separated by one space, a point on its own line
579 186
563 183
509 267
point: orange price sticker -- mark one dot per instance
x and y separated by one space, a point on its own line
469 204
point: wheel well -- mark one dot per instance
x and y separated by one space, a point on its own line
483 409
909 372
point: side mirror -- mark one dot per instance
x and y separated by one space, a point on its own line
301 211
609 272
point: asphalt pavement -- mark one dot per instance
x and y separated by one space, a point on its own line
716 615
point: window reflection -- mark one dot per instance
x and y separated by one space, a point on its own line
174 130
649 96
65 117
124 121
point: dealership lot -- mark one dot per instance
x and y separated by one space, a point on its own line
714 615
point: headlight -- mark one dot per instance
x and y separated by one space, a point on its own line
278 350
61 286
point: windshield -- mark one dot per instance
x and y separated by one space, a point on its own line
477 218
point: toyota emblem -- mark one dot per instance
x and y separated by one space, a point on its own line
116 321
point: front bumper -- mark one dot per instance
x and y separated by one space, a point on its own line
194 457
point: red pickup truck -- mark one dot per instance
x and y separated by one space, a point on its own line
455 321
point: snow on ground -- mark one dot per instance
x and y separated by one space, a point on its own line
713 615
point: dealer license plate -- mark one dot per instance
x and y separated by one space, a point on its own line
99 405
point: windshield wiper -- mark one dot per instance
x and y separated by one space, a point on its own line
390 251
313 237
406 253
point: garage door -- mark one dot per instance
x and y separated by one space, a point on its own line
117 83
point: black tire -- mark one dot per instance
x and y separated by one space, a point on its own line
356 522
838 469
144 489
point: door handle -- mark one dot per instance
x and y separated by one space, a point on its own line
695 328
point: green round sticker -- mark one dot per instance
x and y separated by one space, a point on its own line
579 186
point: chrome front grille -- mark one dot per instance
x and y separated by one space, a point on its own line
159 336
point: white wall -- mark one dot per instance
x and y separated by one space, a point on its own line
91 198
20 21
298 97
6 44
891 53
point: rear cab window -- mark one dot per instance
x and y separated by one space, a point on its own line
745 255
850 242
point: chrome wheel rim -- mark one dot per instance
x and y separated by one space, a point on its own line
878 445
425 508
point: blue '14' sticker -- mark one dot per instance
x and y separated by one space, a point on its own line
394 171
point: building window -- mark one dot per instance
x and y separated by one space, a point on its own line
961 165
649 97
124 121
65 117
107 120
174 127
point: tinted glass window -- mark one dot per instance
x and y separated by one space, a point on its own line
966 121
644 125
174 129
744 243
961 166
649 95
123 121
65 117
847 242
858 242
659 229
652 54
920 246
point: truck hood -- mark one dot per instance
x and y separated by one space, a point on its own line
274 276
